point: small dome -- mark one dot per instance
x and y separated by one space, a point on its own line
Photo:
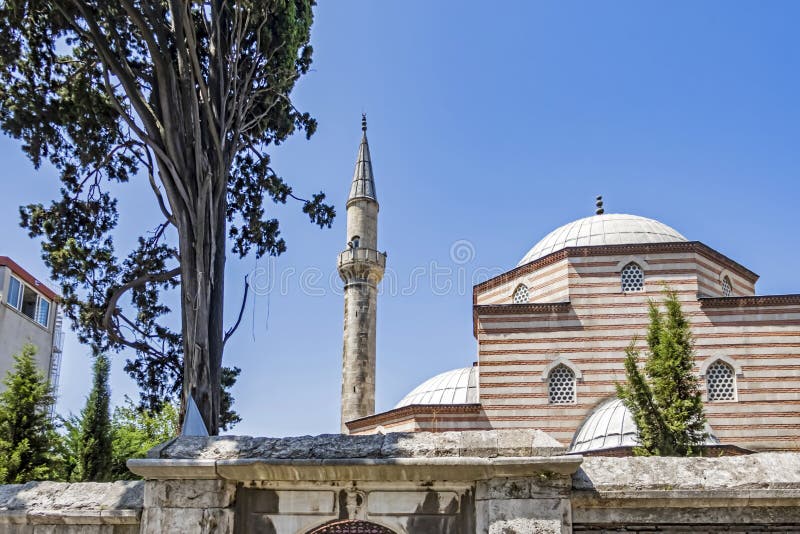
459 386
606 229
611 425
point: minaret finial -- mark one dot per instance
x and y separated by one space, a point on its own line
363 122
599 205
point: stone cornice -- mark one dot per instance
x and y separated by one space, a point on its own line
511 309
750 301
360 469
614 250
410 410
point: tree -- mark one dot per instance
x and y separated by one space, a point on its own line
665 399
136 432
27 437
185 98
228 417
95 454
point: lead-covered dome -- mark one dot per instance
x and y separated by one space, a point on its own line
459 386
611 425
606 229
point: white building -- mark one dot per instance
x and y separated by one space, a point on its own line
28 314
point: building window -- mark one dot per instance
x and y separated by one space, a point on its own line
561 385
521 294
28 301
356 241
720 382
43 312
14 292
727 287
632 278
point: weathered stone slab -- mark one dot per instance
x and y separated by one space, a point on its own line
481 444
756 471
73 499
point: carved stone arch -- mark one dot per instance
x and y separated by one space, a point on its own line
351 526
566 363
638 260
737 369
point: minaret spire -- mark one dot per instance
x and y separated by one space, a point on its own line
361 267
363 179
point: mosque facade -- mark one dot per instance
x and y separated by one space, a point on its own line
552 333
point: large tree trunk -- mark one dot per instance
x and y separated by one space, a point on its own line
202 262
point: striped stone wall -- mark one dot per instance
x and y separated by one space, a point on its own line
518 344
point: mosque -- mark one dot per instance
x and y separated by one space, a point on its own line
552 333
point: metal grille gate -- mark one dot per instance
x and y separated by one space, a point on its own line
351 527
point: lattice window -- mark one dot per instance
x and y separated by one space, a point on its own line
727 287
561 385
720 382
351 527
521 294
632 278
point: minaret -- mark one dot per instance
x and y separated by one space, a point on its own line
361 267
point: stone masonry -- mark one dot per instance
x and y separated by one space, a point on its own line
482 482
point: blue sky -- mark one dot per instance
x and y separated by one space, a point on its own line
490 126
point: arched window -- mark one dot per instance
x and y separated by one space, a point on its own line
727 287
356 241
632 278
561 385
521 294
720 382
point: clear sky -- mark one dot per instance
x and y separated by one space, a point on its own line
490 124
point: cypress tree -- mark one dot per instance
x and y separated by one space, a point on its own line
96 454
27 434
664 397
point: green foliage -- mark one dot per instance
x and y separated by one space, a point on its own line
137 431
69 449
184 99
28 441
664 398
228 417
95 457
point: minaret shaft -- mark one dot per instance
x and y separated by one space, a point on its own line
361 267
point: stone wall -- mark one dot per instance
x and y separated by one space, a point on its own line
491 482
681 494
61 508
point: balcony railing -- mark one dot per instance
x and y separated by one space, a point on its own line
361 254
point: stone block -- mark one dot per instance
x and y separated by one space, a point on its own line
526 526
412 502
514 442
305 502
479 443
189 494
194 520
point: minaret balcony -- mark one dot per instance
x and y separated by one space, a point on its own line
361 262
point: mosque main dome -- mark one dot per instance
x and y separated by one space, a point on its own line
605 229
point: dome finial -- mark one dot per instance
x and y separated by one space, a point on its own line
363 122
599 205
